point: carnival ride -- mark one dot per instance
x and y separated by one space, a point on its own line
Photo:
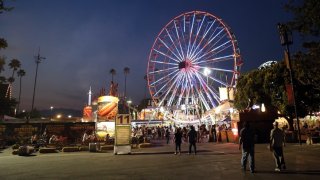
193 56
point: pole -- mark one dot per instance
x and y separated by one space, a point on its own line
38 61
34 86
286 40
125 86
293 95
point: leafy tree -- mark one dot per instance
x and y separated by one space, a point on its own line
306 22
269 85
3 7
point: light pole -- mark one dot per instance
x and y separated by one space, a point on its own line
206 72
51 108
129 102
38 61
286 40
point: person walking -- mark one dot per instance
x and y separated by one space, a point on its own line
192 136
178 140
214 133
167 135
277 141
246 143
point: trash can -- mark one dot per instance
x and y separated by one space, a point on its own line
94 147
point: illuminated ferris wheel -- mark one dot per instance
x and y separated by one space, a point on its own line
192 56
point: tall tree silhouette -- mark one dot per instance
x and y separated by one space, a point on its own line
112 72
14 65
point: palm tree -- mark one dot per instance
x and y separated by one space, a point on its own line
126 71
14 65
20 73
112 72
2 63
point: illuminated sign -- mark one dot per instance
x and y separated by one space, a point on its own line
107 107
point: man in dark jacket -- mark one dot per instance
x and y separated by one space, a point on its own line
246 140
192 136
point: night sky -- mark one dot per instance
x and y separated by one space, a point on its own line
83 40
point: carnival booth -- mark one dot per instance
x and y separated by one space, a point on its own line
226 118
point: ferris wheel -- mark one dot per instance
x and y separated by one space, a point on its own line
192 56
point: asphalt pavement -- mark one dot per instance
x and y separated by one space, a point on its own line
213 161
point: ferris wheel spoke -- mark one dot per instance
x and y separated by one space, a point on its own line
165 84
166 55
197 34
212 54
178 57
215 96
221 49
190 36
162 62
174 92
218 69
208 42
202 98
192 84
222 58
204 54
205 87
204 101
174 44
183 88
203 37
187 94
181 94
218 81
184 23
164 77
169 89
178 37
162 70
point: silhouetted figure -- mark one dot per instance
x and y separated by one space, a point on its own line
178 140
192 136
277 141
246 141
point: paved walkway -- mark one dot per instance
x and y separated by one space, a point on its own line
213 161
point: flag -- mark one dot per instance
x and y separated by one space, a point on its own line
289 90
286 59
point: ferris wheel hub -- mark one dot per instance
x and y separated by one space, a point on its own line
186 64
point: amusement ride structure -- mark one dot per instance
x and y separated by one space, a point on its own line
193 56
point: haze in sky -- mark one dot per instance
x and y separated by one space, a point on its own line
83 40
